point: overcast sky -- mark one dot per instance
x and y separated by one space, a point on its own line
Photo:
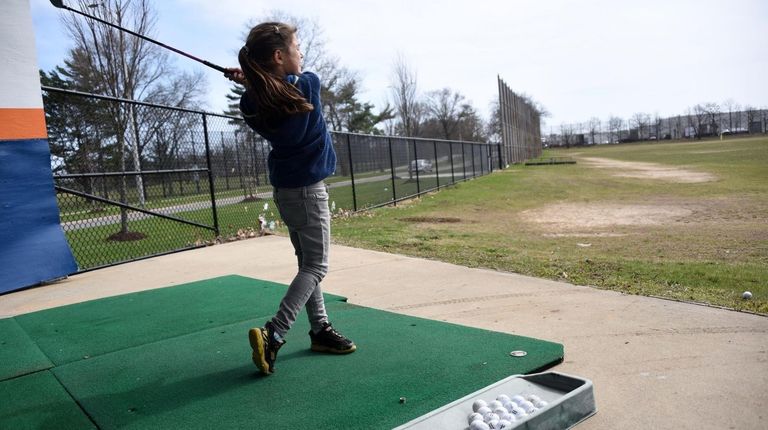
577 58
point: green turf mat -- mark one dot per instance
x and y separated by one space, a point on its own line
18 354
206 379
88 329
38 401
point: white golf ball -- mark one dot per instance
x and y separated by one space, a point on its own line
474 417
517 399
504 425
746 295
479 403
503 398
500 411
508 417
478 425
482 410
528 407
495 404
540 404
533 398
494 424
509 405
490 416
518 412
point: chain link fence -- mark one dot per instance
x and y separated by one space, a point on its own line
136 179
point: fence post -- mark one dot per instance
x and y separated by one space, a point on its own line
392 171
501 162
210 175
474 172
483 160
450 153
196 176
464 160
416 162
437 169
351 174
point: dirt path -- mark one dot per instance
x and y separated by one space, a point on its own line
633 169
593 219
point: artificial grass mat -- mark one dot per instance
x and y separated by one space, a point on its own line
18 354
84 330
204 378
38 401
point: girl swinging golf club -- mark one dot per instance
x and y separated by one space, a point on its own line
282 104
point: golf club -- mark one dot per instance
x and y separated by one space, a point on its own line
60 4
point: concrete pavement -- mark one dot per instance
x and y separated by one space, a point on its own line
655 364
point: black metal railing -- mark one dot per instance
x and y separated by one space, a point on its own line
137 179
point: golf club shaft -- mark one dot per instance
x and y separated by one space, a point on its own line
61 5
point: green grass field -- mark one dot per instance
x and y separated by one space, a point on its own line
689 224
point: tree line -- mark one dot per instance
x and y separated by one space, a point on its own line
701 120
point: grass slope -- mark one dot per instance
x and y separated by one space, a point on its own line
712 251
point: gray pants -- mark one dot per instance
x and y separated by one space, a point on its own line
305 212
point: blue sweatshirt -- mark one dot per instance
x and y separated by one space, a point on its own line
302 150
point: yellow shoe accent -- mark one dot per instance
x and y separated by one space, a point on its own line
256 339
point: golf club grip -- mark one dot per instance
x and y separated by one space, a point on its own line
141 36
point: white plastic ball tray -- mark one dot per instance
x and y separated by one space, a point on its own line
571 400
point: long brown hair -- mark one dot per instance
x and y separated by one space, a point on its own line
274 97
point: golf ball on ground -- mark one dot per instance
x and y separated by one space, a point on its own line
479 403
746 295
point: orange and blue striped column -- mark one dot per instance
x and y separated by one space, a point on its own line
33 248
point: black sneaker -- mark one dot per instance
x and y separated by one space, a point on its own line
265 347
329 340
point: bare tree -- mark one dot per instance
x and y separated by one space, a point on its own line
493 127
404 95
614 126
697 119
470 125
655 127
676 128
641 121
731 106
752 115
712 111
445 106
594 128
566 130
107 61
